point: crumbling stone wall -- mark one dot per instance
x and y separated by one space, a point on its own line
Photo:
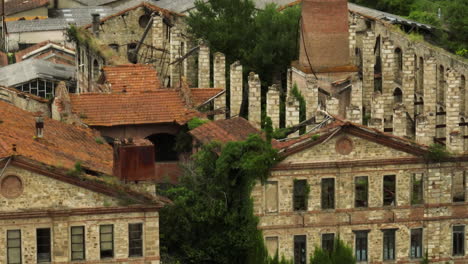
25 101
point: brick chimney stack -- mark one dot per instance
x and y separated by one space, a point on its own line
324 37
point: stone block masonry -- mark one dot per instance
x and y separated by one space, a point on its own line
204 66
273 105
409 72
333 106
292 113
454 137
255 100
176 52
219 80
388 76
400 121
236 88
368 68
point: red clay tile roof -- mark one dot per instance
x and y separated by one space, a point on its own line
62 145
201 95
132 78
19 55
16 6
154 8
158 106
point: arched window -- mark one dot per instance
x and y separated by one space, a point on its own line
164 147
421 76
397 96
398 63
95 70
441 85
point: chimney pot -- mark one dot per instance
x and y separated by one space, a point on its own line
39 126
96 23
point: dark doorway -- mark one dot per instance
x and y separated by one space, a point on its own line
164 145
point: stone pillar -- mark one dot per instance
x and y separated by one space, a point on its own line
204 66
377 111
354 111
368 61
425 130
289 83
236 88
273 105
333 106
400 121
255 100
353 114
192 66
60 229
176 53
311 96
352 43
408 80
388 76
158 32
219 80
452 109
426 127
292 114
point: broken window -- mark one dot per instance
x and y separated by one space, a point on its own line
106 241
328 241
300 195
417 189
96 69
389 244
14 246
389 190
43 245
300 252
458 186
271 197
416 243
77 243
361 191
458 237
397 96
272 245
361 245
135 240
328 193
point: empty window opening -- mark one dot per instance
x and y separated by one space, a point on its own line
164 147
271 197
328 193
441 122
328 242
463 96
14 246
43 244
417 189
441 86
458 187
135 240
106 241
300 249
389 190
416 250
143 20
361 245
389 244
361 191
397 96
421 76
300 195
131 53
398 64
458 244
77 243
95 70
419 105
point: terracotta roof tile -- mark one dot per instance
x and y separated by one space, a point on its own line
16 6
132 78
19 55
62 145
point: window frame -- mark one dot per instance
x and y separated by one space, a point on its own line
10 247
464 188
420 255
385 244
302 253
101 242
394 190
300 199
83 243
130 240
324 198
421 186
365 234
463 246
366 201
324 245
49 245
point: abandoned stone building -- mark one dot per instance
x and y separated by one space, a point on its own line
59 203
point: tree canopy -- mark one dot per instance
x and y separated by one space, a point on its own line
341 253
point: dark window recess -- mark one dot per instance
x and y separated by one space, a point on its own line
328 241
43 245
459 183
361 191
458 240
416 243
77 243
300 253
143 21
135 240
389 190
106 241
14 246
114 47
328 193
164 147
361 245
300 195
131 53
417 189
389 244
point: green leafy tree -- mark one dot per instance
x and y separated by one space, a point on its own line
211 219
341 253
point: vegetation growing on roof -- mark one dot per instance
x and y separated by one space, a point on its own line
76 171
82 36
196 122
437 153
302 105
